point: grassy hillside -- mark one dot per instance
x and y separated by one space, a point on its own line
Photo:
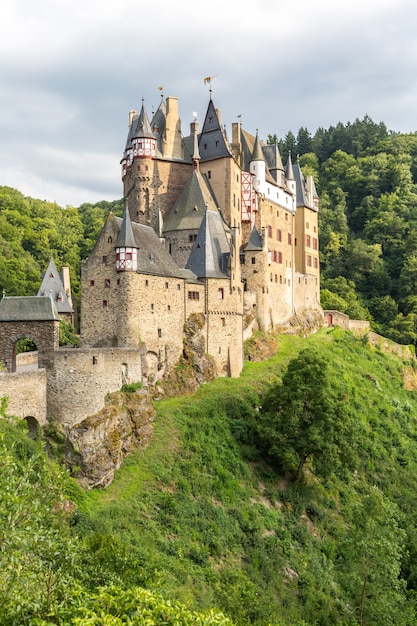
205 517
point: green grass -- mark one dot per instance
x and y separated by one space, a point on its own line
202 516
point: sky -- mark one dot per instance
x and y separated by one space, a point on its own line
71 70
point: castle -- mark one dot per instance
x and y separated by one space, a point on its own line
212 227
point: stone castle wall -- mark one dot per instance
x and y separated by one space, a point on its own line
306 292
80 379
26 393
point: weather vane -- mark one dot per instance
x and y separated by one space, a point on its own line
208 80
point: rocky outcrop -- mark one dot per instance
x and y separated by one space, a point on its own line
96 447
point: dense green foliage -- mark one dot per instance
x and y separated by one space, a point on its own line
209 519
32 231
305 417
205 517
366 178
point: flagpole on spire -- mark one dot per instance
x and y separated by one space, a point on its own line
208 80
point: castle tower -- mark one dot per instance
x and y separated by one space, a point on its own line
258 165
137 169
213 261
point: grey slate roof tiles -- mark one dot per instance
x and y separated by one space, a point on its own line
28 308
152 256
52 286
208 257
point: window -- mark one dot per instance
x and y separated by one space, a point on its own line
205 146
107 283
269 231
94 360
118 281
194 295
152 307
315 243
309 260
169 308
308 241
104 304
192 238
307 225
104 260
159 332
223 319
209 174
276 278
166 285
91 283
286 217
220 293
289 239
279 257
146 283
316 262
279 234
110 240
253 260
178 286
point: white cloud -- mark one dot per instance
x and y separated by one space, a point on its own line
71 70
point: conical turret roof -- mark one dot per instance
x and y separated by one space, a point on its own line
289 171
257 154
255 240
126 238
143 126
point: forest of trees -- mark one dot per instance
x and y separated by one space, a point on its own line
366 177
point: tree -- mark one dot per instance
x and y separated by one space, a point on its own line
37 554
371 561
305 418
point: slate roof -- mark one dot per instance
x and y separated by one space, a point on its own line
52 286
248 149
302 195
211 250
188 211
212 142
28 309
255 241
152 256
126 238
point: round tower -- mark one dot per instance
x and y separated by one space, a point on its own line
258 165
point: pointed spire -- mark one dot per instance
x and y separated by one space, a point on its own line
289 171
255 240
196 154
126 238
143 126
257 154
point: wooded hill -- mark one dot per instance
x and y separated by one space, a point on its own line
232 508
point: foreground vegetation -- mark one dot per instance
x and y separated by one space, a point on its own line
214 516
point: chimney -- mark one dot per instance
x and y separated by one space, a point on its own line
132 114
66 282
172 128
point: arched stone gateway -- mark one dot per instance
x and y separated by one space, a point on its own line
34 318
33 426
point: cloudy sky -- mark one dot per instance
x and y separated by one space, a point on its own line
70 71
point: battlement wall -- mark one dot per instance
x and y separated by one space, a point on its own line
80 379
26 393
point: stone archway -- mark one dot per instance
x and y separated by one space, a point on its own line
33 426
21 361
33 318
